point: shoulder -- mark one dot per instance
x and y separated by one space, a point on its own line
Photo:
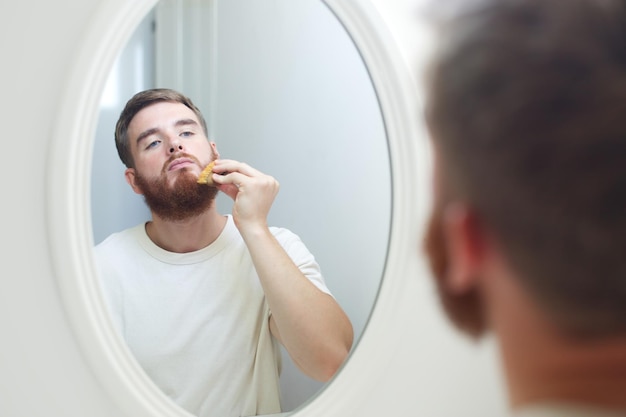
281 234
564 410
120 241
288 240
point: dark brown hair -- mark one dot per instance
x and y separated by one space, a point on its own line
527 108
140 101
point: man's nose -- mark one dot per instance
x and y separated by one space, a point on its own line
175 146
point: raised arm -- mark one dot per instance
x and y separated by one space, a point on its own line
308 322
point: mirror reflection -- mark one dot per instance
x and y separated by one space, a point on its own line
282 89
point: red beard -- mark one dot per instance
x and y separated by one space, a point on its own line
182 200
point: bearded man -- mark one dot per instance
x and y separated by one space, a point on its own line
202 299
527 114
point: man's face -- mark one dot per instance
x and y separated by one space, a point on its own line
160 133
170 149
464 309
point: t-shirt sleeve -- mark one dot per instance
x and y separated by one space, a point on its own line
302 257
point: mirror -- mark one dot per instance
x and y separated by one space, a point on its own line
284 88
407 360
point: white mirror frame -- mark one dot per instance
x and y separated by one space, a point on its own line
70 221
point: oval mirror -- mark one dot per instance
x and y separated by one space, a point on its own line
394 356
282 87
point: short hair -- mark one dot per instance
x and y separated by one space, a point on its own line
140 101
527 108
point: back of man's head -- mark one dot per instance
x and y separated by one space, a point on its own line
527 109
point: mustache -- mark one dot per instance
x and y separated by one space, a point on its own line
177 155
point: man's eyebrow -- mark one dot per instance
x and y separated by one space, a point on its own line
185 122
152 131
147 133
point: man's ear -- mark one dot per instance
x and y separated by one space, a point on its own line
129 174
465 239
214 149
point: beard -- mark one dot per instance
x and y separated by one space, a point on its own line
465 310
182 200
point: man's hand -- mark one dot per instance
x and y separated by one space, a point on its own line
252 191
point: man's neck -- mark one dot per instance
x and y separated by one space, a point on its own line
186 235
545 366
592 374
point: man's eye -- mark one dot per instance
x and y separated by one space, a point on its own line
153 144
187 133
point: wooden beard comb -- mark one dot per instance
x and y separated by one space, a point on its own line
206 176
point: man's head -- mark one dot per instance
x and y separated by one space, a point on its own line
161 137
137 103
527 113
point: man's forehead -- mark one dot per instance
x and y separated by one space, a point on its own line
160 114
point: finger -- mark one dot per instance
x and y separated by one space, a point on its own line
229 165
230 190
236 179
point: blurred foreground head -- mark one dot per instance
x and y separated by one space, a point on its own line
527 113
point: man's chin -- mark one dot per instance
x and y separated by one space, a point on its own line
181 174
177 197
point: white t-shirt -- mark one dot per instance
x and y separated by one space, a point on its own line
198 322
565 410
